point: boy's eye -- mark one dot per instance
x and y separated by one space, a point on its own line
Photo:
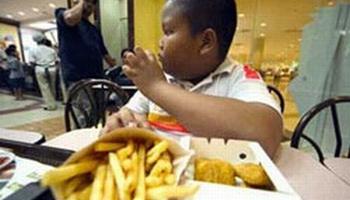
168 32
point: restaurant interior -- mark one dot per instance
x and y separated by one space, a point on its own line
299 48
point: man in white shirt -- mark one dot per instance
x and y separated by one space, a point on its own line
44 59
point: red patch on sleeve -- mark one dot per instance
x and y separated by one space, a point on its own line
250 73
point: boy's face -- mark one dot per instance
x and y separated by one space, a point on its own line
124 57
178 48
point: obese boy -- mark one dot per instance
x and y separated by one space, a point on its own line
197 88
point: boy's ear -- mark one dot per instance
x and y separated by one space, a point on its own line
209 41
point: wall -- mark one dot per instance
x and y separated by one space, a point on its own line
10 31
147 23
114 25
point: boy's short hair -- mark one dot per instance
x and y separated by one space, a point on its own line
220 15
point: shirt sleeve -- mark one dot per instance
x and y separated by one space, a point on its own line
250 89
103 48
138 103
59 14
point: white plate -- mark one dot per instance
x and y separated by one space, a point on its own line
9 158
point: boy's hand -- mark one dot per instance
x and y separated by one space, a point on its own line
143 69
124 118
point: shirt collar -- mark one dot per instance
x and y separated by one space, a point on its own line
225 67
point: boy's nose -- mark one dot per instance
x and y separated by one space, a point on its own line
161 44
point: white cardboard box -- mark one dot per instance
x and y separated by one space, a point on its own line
233 151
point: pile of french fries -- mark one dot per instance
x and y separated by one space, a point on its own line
130 169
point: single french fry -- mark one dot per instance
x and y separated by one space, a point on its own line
98 184
158 148
126 151
167 192
161 166
131 179
110 186
73 196
169 179
140 193
72 185
85 193
153 181
118 174
126 164
63 173
108 146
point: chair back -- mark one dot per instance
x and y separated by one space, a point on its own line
89 101
309 115
278 95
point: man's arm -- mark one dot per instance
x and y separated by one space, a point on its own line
109 60
73 16
205 115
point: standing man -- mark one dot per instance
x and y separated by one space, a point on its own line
44 59
81 47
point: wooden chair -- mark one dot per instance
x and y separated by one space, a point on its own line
90 100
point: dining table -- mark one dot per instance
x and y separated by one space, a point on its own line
309 178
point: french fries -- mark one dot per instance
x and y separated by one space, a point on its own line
106 146
98 184
117 171
66 172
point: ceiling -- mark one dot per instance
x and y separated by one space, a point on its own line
13 8
279 40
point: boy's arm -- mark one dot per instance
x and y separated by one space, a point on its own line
205 115
211 116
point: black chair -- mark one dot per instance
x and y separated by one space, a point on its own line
308 116
89 101
277 94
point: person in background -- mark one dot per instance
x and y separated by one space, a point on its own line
16 77
202 92
116 74
81 48
44 59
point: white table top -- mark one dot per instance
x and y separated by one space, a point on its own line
340 167
20 136
74 140
307 176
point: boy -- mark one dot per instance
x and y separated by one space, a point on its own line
205 93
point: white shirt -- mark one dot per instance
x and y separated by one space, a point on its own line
229 80
43 55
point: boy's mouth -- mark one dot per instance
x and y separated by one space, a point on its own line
160 57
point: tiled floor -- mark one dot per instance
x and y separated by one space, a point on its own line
22 115
29 115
